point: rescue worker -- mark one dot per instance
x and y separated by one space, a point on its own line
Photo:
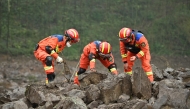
48 48
134 45
100 50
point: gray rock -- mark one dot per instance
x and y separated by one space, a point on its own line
100 90
141 85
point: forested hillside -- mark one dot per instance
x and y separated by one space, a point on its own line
165 23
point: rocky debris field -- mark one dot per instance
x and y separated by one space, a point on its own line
22 86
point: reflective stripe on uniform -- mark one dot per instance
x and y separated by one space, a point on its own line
129 73
112 69
57 49
93 60
142 53
124 55
76 74
149 73
48 67
52 52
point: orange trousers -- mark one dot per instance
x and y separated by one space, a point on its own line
85 62
145 62
41 56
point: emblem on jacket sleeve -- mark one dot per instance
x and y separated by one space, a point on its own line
143 44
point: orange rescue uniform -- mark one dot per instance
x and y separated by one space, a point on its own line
91 48
139 48
57 43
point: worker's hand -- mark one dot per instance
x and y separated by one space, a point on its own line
125 65
133 58
59 60
93 70
76 80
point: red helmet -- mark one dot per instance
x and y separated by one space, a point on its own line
105 48
125 33
73 35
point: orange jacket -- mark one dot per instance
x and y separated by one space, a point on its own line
90 49
139 46
56 42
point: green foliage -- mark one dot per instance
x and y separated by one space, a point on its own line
165 23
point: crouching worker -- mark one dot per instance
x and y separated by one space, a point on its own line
100 50
48 48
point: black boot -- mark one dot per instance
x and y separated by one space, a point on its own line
51 77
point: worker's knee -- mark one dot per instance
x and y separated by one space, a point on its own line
112 66
48 60
81 70
48 49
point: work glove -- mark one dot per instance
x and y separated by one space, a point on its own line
59 60
76 80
